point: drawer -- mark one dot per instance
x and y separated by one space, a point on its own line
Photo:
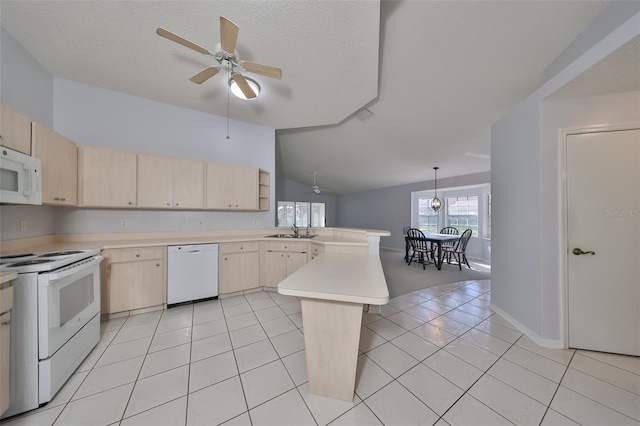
6 299
290 246
134 254
316 249
239 247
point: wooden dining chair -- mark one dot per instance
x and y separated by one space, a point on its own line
419 247
459 252
449 230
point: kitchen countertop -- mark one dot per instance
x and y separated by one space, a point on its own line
325 236
354 278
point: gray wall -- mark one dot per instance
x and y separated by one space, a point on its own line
526 169
89 115
28 87
389 209
94 116
289 190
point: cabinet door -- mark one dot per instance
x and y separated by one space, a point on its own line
5 351
295 261
59 157
273 268
136 285
188 184
67 171
155 181
246 188
239 271
219 186
106 178
44 149
15 129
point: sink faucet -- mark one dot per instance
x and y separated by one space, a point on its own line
295 229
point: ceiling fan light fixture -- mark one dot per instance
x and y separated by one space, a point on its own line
235 89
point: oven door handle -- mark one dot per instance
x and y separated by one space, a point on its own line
67 272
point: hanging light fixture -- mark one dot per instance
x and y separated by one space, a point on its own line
435 201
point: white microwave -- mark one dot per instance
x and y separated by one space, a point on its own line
20 178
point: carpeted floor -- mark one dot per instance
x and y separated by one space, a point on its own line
403 278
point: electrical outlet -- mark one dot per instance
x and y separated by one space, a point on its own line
23 225
124 223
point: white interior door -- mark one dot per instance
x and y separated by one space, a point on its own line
603 216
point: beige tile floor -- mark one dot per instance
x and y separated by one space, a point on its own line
435 356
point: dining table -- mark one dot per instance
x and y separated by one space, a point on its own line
438 239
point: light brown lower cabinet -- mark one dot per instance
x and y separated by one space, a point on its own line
6 304
280 259
239 265
133 278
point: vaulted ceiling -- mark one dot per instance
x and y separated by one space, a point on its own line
432 75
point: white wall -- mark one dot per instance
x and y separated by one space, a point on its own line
389 209
90 115
289 190
525 183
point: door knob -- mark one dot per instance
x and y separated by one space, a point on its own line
578 251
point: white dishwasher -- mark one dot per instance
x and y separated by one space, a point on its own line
192 273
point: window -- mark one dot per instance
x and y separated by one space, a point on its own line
462 213
318 219
427 217
301 213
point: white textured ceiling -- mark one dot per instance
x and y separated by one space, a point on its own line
435 74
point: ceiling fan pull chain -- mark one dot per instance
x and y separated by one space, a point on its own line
228 90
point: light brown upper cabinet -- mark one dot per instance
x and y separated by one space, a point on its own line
106 177
15 129
231 187
166 182
59 157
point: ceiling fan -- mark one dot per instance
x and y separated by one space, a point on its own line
315 188
226 58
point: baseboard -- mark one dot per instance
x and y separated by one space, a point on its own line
392 249
540 341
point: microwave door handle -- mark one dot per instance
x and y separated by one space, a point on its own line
63 274
29 190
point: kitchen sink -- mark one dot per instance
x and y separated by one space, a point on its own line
290 236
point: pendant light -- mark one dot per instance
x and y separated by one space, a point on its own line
435 201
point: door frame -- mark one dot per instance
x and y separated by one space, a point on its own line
564 222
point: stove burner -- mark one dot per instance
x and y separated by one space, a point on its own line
15 256
59 253
30 262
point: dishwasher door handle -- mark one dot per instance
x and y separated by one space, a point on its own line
194 251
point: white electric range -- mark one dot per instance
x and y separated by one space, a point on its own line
55 321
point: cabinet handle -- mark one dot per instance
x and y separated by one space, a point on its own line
7 322
229 205
137 255
241 248
56 199
130 203
157 264
236 206
168 204
63 199
177 204
225 258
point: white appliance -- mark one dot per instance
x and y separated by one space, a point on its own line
55 321
192 273
20 178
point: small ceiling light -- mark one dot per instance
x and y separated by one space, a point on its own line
435 201
235 89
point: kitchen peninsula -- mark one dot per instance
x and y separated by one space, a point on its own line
333 289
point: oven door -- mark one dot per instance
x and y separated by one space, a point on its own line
67 300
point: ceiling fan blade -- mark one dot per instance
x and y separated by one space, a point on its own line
183 41
204 75
228 35
265 70
244 86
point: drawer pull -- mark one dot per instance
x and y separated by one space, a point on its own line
7 322
137 255
63 199
157 264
